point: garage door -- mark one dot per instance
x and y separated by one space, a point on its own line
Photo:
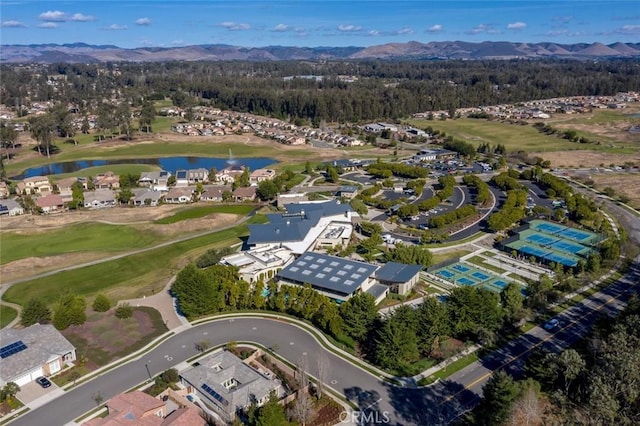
29 377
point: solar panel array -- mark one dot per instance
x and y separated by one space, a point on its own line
14 348
214 394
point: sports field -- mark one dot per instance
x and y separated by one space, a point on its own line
461 273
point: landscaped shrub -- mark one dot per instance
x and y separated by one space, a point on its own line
124 311
101 303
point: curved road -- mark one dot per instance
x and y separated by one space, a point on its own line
439 404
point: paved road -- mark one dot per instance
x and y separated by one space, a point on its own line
439 404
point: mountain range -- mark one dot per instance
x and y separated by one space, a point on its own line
86 53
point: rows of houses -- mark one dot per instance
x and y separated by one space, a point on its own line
545 108
153 189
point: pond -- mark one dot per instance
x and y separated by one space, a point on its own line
170 164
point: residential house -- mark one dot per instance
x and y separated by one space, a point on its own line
99 199
229 174
261 175
50 203
214 193
228 385
32 352
434 154
4 190
141 409
157 180
259 264
108 180
242 194
195 176
10 207
179 196
181 178
34 186
147 197
65 188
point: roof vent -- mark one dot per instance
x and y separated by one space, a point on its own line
277 230
288 223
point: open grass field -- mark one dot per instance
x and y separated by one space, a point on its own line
7 314
440 257
74 238
130 277
526 138
202 211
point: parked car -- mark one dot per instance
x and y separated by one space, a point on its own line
551 324
43 381
190 398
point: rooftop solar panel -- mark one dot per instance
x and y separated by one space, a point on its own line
214 394
13 348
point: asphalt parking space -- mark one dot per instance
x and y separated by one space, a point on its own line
32 391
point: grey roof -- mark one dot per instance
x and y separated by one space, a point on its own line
10 204
220 367
377 290
295 224
44 343
151 195
100 195
330 273
394 272
348 188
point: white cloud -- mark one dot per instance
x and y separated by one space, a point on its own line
628 29
79 17
373 32
53 15
516 26
349 28
115 27
235 26
435 28
281 28
483 29
143 21
404 30
12 24
48 25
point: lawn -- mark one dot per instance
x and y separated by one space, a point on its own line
478 260
439 257
80 237
198 212
131 276
7 314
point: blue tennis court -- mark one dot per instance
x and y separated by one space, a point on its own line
466 281
460 268
445 273
540 239
500 283
549 227
480 275
533 250
558 258
568 247
575 234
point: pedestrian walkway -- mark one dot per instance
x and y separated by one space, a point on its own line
165 304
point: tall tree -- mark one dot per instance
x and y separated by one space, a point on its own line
43 130
147 116
498 397
35 312
359 314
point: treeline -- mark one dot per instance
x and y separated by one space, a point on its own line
597 381
453 216
386 170
570 135
511 211
481 188
391 89
393 342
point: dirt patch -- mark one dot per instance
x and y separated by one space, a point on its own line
627 184
103 336
38 265
116 215
574 159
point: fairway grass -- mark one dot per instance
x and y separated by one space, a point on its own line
129 277
202 211
7 314
82 237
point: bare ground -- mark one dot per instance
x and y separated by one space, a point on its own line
576 158
626 184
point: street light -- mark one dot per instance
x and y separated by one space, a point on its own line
146 365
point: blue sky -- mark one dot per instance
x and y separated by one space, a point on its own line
315 23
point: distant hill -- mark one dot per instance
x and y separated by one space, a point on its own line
85 53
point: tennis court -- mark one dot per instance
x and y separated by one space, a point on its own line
467 275
569 247
548 254
581 236
549 228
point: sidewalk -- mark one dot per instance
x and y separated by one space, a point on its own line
163 303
